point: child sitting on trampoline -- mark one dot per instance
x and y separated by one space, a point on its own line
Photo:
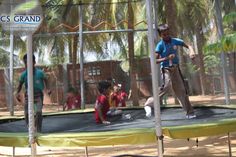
73 100
123 96
114 98
102 107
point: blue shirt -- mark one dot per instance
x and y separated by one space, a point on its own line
38 81
164 49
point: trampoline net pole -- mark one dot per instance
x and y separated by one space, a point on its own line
33 150
154 68
81 56
30 93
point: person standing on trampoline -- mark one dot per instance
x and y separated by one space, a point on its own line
39 82
167 57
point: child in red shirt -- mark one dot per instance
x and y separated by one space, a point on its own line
102 103
73 100
115 97
123 97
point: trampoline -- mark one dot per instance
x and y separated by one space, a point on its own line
78 128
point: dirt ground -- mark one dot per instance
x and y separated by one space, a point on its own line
206 146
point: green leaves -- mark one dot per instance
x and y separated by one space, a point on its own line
230 18
25 7
226 44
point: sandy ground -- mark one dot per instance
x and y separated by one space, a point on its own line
207 146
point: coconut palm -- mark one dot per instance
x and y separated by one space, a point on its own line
194 18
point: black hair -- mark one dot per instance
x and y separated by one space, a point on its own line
25 58
103 86
162 28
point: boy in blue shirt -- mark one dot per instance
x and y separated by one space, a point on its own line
39 82
167 57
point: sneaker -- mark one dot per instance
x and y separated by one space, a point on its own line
191 116
148 115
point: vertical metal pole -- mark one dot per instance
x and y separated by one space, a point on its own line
155 9
154 78
81 56
222 56
229 145
11 102
155 3
30 93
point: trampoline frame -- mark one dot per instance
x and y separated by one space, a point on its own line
120 137
158 128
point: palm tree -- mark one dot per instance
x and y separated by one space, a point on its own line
131 55
193 18
229 23
220 34
199 17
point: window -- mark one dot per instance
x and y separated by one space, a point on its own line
94 71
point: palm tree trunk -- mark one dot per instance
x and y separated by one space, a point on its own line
171 16
200 42
134 88
182 58
223 61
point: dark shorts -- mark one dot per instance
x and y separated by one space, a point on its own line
38 102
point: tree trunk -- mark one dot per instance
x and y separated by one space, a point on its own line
200 42
74 59
182 58
232 59
133 82
171 16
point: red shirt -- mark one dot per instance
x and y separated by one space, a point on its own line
123 97
115 98
102 100
73 102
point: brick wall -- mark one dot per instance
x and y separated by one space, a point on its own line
95 72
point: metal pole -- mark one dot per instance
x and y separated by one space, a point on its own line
154 68
11 75
155 3
222 55
11 102
81 56
229 145
30 93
